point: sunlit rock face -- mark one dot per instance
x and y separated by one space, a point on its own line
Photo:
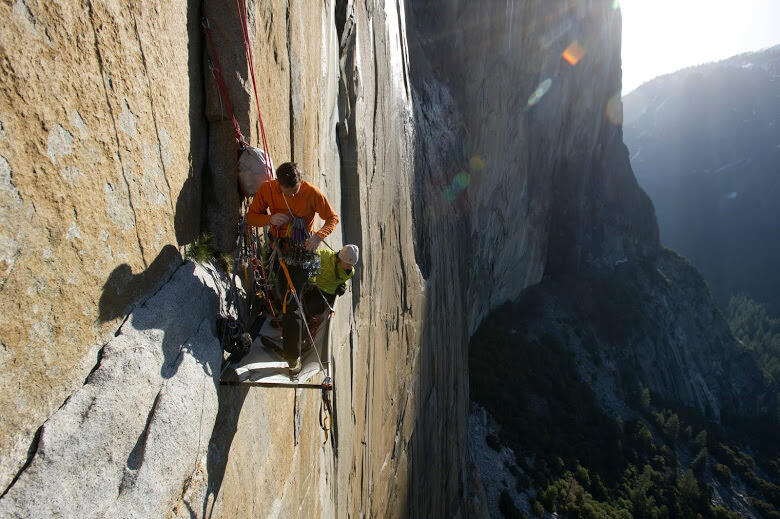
470 150
137 431
102 145
704 144
233 452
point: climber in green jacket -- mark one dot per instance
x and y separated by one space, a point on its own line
335 270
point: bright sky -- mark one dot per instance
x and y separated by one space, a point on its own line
662 36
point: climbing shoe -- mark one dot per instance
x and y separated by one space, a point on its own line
295 367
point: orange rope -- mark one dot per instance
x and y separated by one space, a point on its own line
287 275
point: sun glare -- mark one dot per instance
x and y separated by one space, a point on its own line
662 36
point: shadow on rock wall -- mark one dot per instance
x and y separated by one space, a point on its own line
187 219
122 289
190 216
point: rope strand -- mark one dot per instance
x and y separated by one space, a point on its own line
248 52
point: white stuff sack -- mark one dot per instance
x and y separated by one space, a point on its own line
252 170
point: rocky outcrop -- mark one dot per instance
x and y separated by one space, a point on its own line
648 322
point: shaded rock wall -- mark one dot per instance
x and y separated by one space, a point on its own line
101 155
519 173
533 183
647 323
521 176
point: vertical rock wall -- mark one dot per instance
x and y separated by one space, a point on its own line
342 105
519 171
101 154
266 454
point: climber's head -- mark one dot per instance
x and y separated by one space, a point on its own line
289 175
348 256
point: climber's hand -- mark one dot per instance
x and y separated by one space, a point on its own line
280 218
312 242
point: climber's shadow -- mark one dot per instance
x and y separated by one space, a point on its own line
122 295
123 289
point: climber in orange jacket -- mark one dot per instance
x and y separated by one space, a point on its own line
288 205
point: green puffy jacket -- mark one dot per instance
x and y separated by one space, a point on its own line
331 275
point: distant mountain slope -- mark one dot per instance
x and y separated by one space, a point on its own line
705 145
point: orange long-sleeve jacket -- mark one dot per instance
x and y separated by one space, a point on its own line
307 201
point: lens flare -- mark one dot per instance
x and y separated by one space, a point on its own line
450 193
554 35
614 110
573 53
476 163
461 180
542 89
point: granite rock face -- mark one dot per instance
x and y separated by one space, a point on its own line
124 444
519 173
101 155
648 322
465 156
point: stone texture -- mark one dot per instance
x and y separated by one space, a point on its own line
125 443
375 348
102 151
518 174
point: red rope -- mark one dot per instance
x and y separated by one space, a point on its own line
248 52
216 71
268 171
